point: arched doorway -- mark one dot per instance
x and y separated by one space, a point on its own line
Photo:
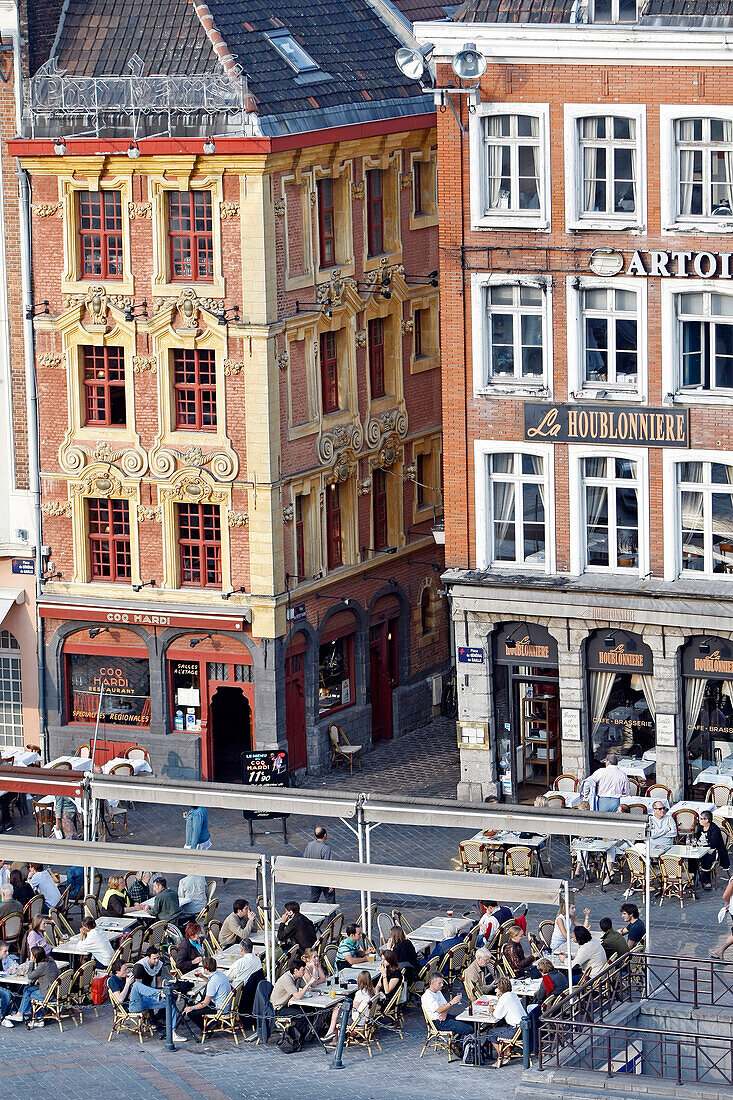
295 702
620 668
383 664
230 720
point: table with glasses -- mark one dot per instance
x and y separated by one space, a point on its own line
505 838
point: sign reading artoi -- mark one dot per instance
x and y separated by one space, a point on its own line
619 425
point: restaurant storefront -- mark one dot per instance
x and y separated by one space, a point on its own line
620 669
707 678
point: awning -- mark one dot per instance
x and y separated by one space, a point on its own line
474 817
129 857
41 781
427 882
9 596
223 796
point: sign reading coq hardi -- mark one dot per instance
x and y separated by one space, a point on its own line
620 425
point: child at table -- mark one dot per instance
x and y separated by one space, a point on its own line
365 994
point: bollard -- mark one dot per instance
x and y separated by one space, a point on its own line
525 1026
168 991
345 1010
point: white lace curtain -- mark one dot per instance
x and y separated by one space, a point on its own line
601 684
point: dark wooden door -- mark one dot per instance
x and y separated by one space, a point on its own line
295 710
381 681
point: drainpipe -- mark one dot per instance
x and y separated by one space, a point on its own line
34 461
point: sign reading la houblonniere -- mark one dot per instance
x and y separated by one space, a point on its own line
619 425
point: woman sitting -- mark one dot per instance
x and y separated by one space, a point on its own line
22 891
365 994
36 935
116 900
405 952
313 968
190 950
559 929
390 974
521 965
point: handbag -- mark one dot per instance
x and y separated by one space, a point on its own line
98 990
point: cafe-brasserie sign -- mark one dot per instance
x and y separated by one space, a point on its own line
619 425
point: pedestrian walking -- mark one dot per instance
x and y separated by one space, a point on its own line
197 828
320 849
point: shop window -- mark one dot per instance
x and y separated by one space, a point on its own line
707 670
611 502
104 386
186 683
100 234
11 693
108 524
329 372
379 509
194 386
124 685
705 496
190 236
199 538
621 694
334 536
326 222
375 211
376 357
335 675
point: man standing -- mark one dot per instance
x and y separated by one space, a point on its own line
611 784
320 849
197 828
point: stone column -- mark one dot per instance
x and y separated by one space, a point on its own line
475 704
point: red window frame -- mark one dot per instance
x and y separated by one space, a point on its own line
417 187
299 538
199 541
100 234
376 357
379 509
375 211
329 372
190 236
326 223
108 528
334 547
194 389
420 480
104 385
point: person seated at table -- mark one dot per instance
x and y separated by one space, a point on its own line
508 1008
611 783
590 952
120 980
190 950
149 967
479 977
37 934
351 947
8 904
711 835
290 986
44 883
365 994
390 974
95 942
192 895
138 888
452 939
554 981
246 972
613 942
662 829
116 899
405 951
633 928
523 966
8 963
436 1008
41 976
218 989
239 924
144 997
165 901
313 968
64 812
295 928
559 936
22 891
493 917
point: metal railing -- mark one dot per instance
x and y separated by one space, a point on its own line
575 1033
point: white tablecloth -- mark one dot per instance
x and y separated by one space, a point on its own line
78 763
712 775
639 769
20 758
570 798
138 766
628 799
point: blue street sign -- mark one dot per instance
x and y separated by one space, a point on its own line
470 655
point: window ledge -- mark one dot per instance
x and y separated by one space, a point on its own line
506 389
682 397
610 225
704 226
622 396
424 362
510 221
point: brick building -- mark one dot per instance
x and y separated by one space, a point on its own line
586 301
19 545
239 379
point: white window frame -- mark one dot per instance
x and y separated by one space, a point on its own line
578 389
578 555
671 513
672 221
482 386
591 16
483 449
672 346
480 218
574 216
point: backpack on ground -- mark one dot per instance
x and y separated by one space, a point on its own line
472 1052
290 1042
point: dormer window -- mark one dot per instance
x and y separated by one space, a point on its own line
613 11
292 51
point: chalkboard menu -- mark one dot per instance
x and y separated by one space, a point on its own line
268 768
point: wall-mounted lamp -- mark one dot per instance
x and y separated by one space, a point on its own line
378 550
197 641
59 147
144 584
610 639
133 150
132 311
209 147
704 648
222 316
95 630
34 309
234 591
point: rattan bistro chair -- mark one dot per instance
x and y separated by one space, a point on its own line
341 747
440 1040
719 794
544 929
472 855
567 783
363 1030
58 1002
518 861
686 821
226 1020
676 879
136 1022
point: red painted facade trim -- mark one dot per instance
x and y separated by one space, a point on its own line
135 616
38 782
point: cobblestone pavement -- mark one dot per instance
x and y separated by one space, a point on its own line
81 1064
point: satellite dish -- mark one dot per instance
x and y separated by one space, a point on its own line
411 63
468 63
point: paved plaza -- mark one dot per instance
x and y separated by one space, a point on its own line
81 1064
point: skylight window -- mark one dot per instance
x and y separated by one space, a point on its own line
298 58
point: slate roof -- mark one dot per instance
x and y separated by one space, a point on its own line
694 13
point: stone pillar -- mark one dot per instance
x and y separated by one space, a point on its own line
475 704
668 700
573 696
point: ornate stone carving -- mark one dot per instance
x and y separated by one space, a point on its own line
381 426
229 209
194 489
51 359
46 209
238 519
151 514
380 277
74 458
97 304
189 303
282 360
361 338
233 366
222 464
279 208
104 483
364 487
357 190
347 435
141 364
288 513
139 210
407 326
409 473
332 292
344 467
57 508
188 307
389 452
406 180
313 198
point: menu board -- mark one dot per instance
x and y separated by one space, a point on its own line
268 768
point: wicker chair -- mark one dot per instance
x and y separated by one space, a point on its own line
81 987
399 918
637 872
122 768
518 861
441 1040
555 801
60 923
329 957
92 907
545 929
384 926
137 752
34 907
472 855
567 783
686 822
637 809
11 929
363 1030
341 747
136 938
137 1022
719 794
636 786
675 878
155 933
452 964
57 1003
213 932
391 1012
226 1020
419 984
658 790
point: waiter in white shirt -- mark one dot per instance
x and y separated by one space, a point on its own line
611 783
